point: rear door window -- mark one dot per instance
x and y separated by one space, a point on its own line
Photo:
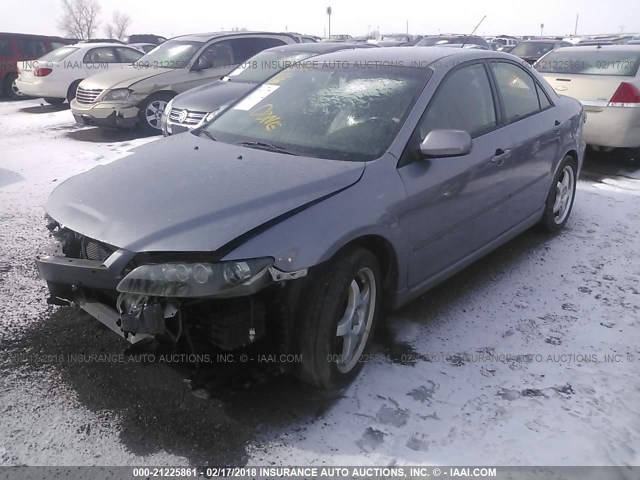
592 62
245 48
101 55
5 47
517 91
31 48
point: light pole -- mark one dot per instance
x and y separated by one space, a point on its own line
329 11
541 28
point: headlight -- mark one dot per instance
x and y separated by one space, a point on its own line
225 279
167 108
210 116
117 95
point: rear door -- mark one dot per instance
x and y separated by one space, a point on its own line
534 126
456 205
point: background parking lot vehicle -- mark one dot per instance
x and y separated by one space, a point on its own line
15 47
56 76
327 191
138 95
531 50
190 109
606 80
437 40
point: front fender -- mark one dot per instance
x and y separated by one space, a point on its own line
369 208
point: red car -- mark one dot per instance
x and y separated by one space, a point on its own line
15 47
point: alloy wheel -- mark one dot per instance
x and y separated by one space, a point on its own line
153 113
355 324
564 193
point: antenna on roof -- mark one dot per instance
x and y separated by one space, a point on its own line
474 31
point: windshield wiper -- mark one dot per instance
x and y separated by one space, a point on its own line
206 134
266 146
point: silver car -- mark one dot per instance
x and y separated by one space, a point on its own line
138 94
358 179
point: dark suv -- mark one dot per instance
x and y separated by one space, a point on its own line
15 47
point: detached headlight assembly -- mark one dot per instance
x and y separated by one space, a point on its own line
193 280
117 95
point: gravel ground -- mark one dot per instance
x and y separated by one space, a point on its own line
450 384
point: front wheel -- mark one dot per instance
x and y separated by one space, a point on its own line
338 319
151 111
560 198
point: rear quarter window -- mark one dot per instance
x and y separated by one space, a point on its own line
593 62
31 48
5 47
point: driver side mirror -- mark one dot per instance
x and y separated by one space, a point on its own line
446 143
201 64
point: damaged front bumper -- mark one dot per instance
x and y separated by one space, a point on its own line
105 114
230 319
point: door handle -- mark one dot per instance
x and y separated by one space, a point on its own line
500 156
557 126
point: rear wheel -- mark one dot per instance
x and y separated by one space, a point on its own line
54 101
560 198
338 319
151 110
10 89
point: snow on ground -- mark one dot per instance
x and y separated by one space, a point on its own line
530 356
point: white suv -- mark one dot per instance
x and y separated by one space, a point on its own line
56 75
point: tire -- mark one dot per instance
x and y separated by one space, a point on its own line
10 90
557 211
54 101
324 319
150 110
71 93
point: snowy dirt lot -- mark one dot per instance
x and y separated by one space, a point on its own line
529 357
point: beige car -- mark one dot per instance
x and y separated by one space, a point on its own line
606 80
137 94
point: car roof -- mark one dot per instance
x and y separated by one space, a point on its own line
604 48
32 35
406 56
204 37
99 44
541 40
319 48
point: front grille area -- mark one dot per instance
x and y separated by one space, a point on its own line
93 250
84 95
192 118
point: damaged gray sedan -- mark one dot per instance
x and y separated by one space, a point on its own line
356 181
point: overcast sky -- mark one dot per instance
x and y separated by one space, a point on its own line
171 18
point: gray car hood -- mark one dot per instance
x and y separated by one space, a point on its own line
191 194
208 98
126 77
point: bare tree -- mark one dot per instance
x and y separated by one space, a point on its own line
118 27
79 18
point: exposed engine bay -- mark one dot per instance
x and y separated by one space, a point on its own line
228 322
